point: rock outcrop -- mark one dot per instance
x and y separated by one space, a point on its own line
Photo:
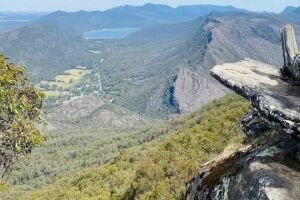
274 99
263 173
269 170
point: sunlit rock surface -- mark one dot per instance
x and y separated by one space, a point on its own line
194 89
270 171
273 98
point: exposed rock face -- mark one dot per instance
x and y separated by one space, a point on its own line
265 173
194 89
290 53
274 99
270 171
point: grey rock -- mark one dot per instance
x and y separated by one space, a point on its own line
253 124
256 174
269 171
290 53
273 98
267 180
194 89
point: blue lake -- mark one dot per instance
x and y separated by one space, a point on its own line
109 33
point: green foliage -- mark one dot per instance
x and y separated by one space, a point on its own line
3 187
20 109
157 169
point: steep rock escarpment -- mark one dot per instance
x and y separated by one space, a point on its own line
225 38
230 37
193 89
243 36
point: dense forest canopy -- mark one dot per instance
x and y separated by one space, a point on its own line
157 169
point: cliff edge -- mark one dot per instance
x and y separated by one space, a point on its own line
269 169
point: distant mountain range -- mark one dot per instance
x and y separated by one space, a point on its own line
14 20
141 71
49 44
130 16
290 10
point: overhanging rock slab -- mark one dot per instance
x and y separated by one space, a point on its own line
273 98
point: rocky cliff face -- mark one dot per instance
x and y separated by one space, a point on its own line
194 89
235 37
224 38
230 37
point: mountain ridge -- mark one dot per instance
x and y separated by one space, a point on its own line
291 13
131 16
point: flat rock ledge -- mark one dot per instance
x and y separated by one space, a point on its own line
272 98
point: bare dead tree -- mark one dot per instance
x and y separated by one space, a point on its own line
291 54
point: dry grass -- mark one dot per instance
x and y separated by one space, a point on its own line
55 93
64 81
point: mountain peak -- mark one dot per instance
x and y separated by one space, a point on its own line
147 6
155 5
59 12
291 9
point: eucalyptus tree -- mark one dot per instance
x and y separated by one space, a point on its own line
20 113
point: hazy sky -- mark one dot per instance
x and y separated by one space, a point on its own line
73 5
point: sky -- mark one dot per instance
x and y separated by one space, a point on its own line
75 5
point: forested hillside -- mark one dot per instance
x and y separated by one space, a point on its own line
158 168
13 20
